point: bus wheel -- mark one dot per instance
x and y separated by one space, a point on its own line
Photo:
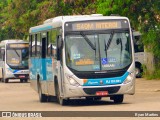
26 80
93 98
60 100
6 80
138 72
97 98
117 98
42 97
21 80
89 98
2 80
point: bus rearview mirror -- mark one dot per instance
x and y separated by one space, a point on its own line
59 42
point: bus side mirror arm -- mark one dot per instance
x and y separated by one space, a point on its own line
59 42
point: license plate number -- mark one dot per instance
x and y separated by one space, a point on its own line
102 93
21 76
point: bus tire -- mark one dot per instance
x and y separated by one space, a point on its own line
26 80
138 72
117 98
60 100
2 76
21 80
97 98
93 98
42 97
6 80
2 80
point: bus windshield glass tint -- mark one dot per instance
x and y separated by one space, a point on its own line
98 51
17 57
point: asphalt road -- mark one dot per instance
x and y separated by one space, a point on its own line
16 96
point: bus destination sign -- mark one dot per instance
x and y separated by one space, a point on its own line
18 45
82 26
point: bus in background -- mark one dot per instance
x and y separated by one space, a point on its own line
14 60
139 53
94 58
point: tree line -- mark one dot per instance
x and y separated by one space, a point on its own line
17 16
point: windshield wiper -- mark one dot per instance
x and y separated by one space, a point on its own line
17 53
88 41
109 41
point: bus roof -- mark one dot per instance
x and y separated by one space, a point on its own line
58 21
3 42
136 33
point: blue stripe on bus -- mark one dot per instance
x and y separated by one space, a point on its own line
43 67
33 30
15 71
106 81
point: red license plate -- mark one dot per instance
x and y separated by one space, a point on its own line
21 76
102 93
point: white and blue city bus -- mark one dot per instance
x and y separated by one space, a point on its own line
14 56
84 56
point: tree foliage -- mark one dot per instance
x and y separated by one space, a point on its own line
17 16
144 16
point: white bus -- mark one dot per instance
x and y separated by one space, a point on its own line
14 60
139 53
94 58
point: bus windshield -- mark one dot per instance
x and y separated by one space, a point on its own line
17 58
99 51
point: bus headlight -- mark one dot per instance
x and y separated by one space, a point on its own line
129 78
8 72
72 81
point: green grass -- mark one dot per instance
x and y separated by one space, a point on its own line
152 76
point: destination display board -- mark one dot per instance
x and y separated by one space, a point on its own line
96 25
20 45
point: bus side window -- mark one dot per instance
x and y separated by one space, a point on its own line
59 43
52 50
44 45
38 45
138 45
35 44
2 55
30 45
59 47
52 44
33 49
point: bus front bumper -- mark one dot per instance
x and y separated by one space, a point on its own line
17 76
84 91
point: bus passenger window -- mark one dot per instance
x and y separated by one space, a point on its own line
52 45
33 50
44 48
38 44
138 45
1 54
30 45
